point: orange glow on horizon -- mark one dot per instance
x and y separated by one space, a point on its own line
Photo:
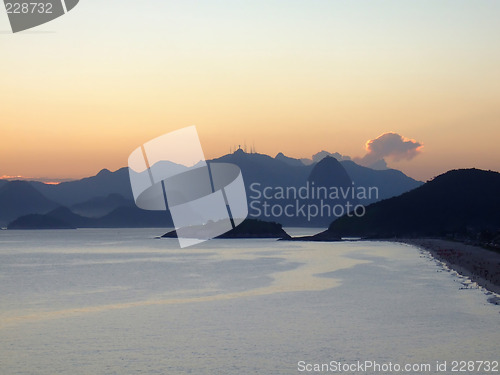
323 76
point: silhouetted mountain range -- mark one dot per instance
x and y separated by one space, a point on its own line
18 198
329 172
38 221
134 217
101 195
288 160
284 172
100 206
459 203
266 170
100 185
122 217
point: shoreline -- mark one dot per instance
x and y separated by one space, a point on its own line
480 265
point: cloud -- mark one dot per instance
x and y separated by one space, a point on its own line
390 146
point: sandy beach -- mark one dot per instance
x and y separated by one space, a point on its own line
480 265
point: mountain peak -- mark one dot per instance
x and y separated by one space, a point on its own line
329 172
291 161
239 152
104 172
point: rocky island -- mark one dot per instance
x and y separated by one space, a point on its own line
249 228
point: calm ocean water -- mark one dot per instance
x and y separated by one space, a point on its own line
122 302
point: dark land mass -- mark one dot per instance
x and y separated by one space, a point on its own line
320 237
100 206
460 204
134 217
65 215
249 228
122 217
288 160
79 191
390 182
327 173
18 198
37 221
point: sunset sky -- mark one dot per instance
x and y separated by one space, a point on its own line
82 92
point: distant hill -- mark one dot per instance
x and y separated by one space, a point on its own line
100 206
19 198
122 217
390 182
79 191
266 170
457 203
71 219
134 217
290 161
329 172
326 174
37 221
